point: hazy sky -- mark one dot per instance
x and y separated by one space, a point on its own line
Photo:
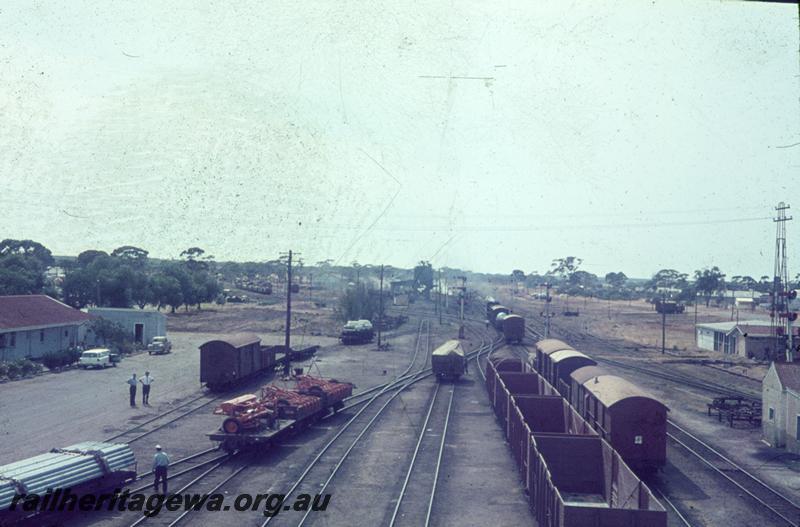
637 135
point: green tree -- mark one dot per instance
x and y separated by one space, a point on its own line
165 290
423 278
708 281
20 275
78 288
616 280
359 301
564 267
134 256
87 257
27 248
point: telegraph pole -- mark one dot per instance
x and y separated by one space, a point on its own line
547 310
779 313
663 325
439 288
380 310
287 362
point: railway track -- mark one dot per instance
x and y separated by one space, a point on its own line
356 428
778 505
162 420
326 469
419 499
684 380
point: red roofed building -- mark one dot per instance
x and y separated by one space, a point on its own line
32 325
780 422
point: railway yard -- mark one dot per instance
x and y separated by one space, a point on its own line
406 448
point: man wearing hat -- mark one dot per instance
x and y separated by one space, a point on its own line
132 384
160 465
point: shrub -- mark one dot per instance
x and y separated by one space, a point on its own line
59 359
19 368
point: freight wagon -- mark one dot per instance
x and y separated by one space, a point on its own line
494 311
447 361
260 420
228 361
84 468
631 420
572 477
513 328
545 348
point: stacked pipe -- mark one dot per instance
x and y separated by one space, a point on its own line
63 468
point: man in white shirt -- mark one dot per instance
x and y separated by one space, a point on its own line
146 382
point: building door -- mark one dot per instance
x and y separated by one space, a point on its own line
138 333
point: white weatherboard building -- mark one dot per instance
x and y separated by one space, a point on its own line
748 338
34 325
142 325
780 399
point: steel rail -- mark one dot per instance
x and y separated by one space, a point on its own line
144 518
159 416
439 459
755 484
414 455
215 489
684 380
350 421
678 513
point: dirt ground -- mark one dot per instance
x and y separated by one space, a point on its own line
263 315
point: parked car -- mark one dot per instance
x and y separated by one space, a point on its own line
96 358
159 346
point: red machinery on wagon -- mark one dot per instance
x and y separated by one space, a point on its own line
246 413
260 419
332 393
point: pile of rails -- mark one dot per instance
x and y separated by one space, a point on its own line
84 468
260 419
572 476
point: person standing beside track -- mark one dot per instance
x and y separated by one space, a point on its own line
146 382
160 466
132 383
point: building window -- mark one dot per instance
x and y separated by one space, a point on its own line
66 333
797 428
41 335
13 339
771 414
2 340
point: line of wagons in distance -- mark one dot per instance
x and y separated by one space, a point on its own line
511 325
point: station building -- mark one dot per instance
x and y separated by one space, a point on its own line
142 325
780 422
33 325
748 338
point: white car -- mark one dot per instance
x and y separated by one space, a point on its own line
96 358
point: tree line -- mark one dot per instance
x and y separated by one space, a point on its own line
707 283
124 278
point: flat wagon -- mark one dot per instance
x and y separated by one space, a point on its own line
448 361
259 420
229 360
90 467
